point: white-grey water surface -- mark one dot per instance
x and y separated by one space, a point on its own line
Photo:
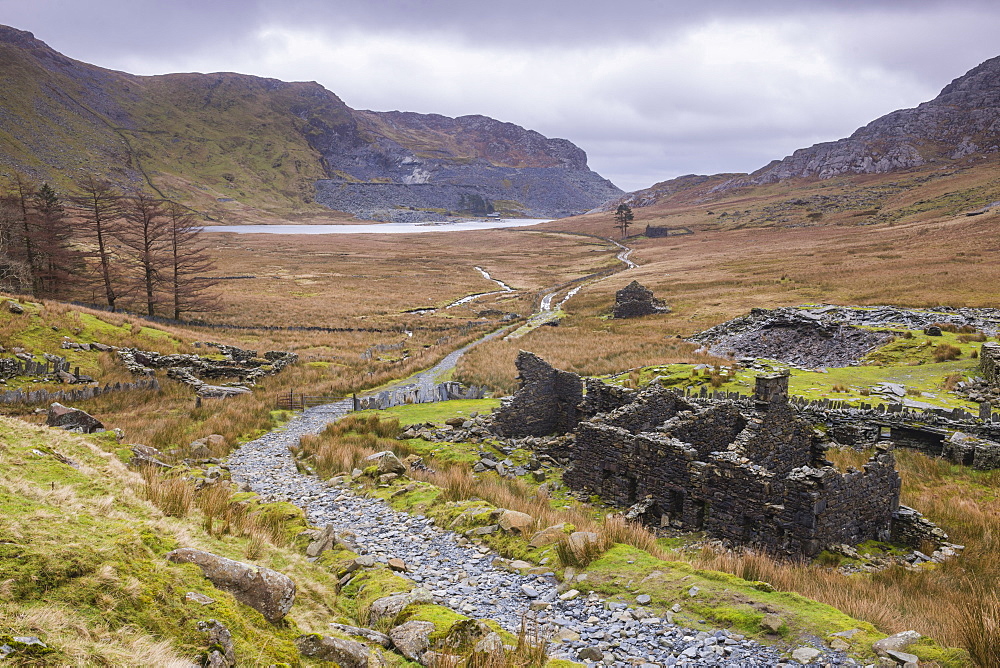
379 228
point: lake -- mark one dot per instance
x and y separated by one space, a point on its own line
378 228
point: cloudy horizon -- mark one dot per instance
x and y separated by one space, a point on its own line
649 89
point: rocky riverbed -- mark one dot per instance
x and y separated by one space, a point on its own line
470 579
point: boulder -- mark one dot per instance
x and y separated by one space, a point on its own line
581 543
145 455
635 300
268 592
324 540
388 607
513 521
547 536
72 419
345 653
895 643
387 462
412 639
771 623
14 307
209 446
492 645
368 634
805 655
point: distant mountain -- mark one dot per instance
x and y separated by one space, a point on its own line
963 120
957 130
217 141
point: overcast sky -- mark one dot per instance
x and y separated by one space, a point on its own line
650 89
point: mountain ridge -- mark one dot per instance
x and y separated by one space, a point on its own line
221 141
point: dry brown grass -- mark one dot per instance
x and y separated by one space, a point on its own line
174 496
579 344
334 280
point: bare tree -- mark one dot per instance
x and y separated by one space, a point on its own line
100 206
190 260
22 230
147 240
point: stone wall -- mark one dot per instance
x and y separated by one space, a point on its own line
989 363
546 403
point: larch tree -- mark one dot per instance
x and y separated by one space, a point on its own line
146 237
99 205
190 288
23 235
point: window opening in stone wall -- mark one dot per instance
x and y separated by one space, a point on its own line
631 485
676 510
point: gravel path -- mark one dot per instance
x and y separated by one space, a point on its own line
463 578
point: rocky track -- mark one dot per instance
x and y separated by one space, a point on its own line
463 577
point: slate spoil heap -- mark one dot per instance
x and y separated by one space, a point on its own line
636 300
751 477
826 335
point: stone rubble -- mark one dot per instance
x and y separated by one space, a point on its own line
466 577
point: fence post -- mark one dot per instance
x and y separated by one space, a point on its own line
354 401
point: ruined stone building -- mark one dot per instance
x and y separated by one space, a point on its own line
635 300
755 476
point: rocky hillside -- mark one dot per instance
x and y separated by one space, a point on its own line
961 121
223 141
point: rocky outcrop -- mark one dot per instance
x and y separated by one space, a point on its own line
635 301
72 419
412 639
308 146
243 365
268 592
419 164
960 121
221 652
546 402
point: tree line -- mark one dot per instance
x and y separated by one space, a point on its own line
130 251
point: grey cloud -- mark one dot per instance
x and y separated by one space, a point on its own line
569 68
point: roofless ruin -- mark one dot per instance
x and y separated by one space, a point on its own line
749 472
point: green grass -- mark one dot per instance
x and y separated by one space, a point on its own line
436 412
80 547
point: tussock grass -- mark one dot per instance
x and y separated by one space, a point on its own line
174 496
946 352
955 602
